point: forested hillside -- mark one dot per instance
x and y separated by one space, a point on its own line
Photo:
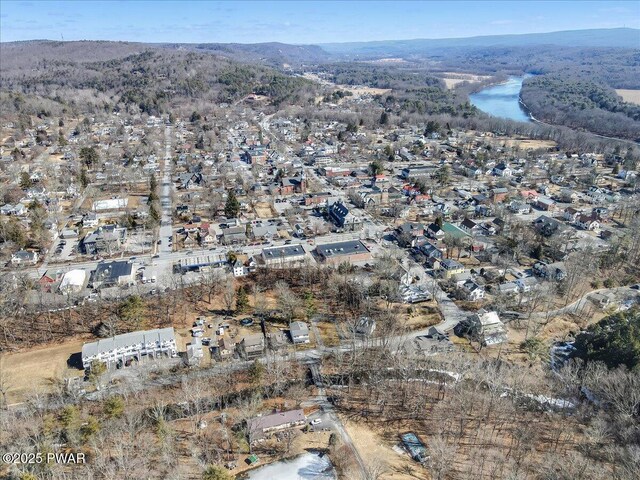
584 105
111 73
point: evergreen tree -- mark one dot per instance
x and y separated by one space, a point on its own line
232 207
89 155
242 300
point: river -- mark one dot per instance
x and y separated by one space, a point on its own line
502 100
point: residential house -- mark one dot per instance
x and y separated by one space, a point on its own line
260 427
450 267
252 346
588 222
299 332
502 170
24 257
18 209
519 207
408 232
107 239
472 291
224 349
545 203
340 215
90 220
239 269
434 231
571 214
469 226
187 181
526 284
508 288
550 271
547 226
234 235
485 328
499 194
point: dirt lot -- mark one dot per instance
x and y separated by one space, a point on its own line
528 144
376 446
631 96
329 334
263 210
36 368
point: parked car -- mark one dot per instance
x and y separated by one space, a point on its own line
206 340
316 421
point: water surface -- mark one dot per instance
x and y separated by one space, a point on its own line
502 100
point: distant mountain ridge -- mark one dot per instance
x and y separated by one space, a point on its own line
606 37
275 53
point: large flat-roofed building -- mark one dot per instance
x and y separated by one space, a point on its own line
197 263
110 274
120 349
285 255
351 251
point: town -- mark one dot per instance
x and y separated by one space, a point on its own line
224 285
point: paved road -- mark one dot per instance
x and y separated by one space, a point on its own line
579 304
166 223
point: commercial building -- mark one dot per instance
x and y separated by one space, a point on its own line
351 251
110 274
286 255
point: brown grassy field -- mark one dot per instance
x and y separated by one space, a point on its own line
451 79
37 368
374 446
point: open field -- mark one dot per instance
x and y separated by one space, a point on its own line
528 144
361 90
631 96
451 79
37 368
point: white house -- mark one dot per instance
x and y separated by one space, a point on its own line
24 257
472 291
238 269
588 222
526 284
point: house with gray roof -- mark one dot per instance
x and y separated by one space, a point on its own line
261 427
299 332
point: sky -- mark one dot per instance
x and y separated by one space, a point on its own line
300 22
